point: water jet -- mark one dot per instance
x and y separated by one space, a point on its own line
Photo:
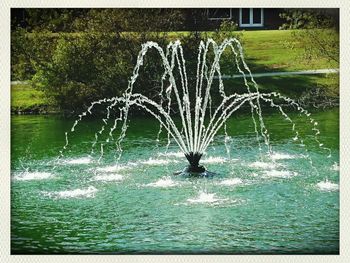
200 119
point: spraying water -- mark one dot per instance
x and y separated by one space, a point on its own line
192 102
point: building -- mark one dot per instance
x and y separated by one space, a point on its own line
247 18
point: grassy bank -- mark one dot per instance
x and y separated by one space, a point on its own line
25 99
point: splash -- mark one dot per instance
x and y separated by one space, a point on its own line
152 161
327 186
172 154
280 174
108 177
76 193
282 156
335 167
263 165
231 182
214 160
211 199
163 183
82 160
113 168
28 176
204 197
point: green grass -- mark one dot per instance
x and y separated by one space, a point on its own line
24 98
271 50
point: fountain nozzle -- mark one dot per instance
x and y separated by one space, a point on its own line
193 159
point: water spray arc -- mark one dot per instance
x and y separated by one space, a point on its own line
200 122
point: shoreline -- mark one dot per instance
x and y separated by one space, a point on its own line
245 109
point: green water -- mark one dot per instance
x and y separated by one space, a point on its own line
253 205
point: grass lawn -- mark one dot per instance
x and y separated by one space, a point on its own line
270 50
26 99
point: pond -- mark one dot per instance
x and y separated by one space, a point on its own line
286 203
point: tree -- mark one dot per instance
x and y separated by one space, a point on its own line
317 31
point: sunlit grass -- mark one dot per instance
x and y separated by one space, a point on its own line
26 98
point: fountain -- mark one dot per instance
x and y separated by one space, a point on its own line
192 102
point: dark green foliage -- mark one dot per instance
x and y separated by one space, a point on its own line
319 34
228 26
91 66
30 52
94 60
227 29
46 19
21 68
98 19
309 18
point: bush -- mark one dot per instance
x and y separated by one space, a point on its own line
77 56
90 66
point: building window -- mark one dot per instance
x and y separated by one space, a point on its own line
219 13
251 17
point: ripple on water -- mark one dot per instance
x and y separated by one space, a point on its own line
327 186
27 176
76 193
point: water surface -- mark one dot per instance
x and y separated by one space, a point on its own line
88 203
